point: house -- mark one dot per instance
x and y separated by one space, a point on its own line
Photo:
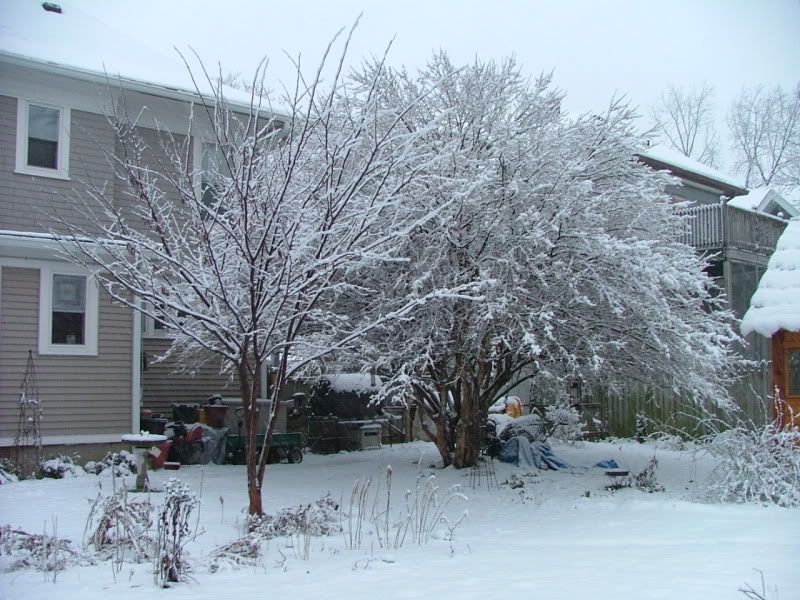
774 313
93 359
737 229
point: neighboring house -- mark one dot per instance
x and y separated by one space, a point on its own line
737 230
94 359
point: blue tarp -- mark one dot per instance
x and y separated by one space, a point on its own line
521 452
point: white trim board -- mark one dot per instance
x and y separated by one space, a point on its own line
52 440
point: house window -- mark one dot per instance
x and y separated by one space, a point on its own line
42 140
68 313
213 163
794 373
68 324
154 327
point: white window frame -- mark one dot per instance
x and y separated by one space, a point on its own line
91 319
62 157
149 329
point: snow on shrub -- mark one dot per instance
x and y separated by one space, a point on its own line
242 552
41 551
756 464
564 423
646 479
119 463
118 527
59 467
170 565
9 473
317 518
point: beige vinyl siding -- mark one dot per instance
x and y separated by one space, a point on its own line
29 203
155 155
80 395
163 384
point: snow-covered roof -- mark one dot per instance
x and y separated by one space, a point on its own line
759 199
77 44
776 303
672 158
751 200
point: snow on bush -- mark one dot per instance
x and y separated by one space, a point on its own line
9 473
756 465
564 423
118 528
242 552
59 467
174 531
646 479
40 551
121 464
317 518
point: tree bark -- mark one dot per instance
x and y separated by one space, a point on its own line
468 431
441 439
250 408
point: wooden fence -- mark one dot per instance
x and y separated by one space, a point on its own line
663 410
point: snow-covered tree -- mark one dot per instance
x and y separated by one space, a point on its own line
684 119
765 133
558 250
243 258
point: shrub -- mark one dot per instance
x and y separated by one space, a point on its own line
59 467
9 472
118 527
174 530
756 464
646 480
317 518
121 463
41 551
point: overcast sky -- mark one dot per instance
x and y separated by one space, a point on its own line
596 48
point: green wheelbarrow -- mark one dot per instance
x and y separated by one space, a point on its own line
284 446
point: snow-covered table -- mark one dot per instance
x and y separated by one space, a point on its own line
141 443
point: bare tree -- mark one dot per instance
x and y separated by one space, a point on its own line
685 120
247 268
765 130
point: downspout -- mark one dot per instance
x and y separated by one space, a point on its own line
136 372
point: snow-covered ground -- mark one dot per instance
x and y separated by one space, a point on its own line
561 535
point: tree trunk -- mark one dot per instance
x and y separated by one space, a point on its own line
250 407
468 430
441 439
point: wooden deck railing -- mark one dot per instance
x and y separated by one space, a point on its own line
718 226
